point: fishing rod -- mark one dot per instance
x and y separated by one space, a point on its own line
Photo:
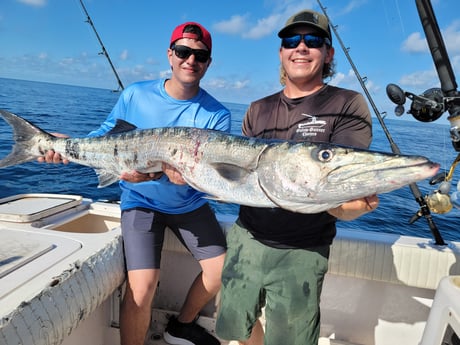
431 104
424 209
104 51
435 101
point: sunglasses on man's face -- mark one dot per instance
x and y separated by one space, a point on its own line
311 41
183 52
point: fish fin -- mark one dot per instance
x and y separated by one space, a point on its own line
24 133
121 126
230 172
105 178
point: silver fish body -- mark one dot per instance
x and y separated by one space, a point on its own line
301 177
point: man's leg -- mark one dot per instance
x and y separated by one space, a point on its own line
242 294
143 234
203 289
200 232
136 308
257 335
183 329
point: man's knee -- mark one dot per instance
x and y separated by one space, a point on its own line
141 286
212 271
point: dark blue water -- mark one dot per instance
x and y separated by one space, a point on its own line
77 110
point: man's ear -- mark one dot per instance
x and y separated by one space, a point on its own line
330 55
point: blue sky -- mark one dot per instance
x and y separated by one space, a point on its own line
48 40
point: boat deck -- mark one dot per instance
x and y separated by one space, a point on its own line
62 275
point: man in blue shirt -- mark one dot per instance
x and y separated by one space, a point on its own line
150 202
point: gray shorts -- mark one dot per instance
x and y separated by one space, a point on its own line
143 234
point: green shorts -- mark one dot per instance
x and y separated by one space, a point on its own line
287 282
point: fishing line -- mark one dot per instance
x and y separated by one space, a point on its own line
424 209
400 18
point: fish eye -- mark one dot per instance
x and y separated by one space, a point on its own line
325 155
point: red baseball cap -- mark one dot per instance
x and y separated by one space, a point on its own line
179 33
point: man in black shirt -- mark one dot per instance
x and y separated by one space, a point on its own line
276 258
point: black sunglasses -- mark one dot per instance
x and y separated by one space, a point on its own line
311 41
183 52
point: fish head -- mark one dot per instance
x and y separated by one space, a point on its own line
330 175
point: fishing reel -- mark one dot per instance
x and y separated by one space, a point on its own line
439 201
427 107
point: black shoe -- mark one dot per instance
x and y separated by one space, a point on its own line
178 333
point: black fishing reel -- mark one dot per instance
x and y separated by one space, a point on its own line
427 107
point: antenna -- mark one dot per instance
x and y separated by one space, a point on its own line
104 51
424 209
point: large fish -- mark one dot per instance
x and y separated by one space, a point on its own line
301 177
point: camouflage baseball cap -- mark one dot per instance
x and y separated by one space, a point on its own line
310 18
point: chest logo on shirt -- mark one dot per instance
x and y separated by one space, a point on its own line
311 127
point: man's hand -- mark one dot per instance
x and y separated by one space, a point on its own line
355 208
51 156
173 175
136 176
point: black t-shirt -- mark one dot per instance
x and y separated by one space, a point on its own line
332 114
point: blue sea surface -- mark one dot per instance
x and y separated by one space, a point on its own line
76 111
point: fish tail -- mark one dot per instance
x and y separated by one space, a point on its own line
24 135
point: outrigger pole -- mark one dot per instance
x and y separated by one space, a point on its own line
424 209
104 51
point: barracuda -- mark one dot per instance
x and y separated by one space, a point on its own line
301 177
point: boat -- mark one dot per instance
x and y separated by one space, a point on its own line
62 269
62 275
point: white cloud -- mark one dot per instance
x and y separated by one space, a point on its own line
420 79
151 61
124 55
352 5
337 79
235 25
455 62
36 3
372 87
351 81
451 37
264 27
66 62
222 83
344 79
249 28
241 84
165 74
216 83
415 43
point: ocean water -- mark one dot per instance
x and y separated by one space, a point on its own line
78 110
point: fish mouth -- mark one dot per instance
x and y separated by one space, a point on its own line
399 169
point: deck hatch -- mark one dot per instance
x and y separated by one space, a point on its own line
30 207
